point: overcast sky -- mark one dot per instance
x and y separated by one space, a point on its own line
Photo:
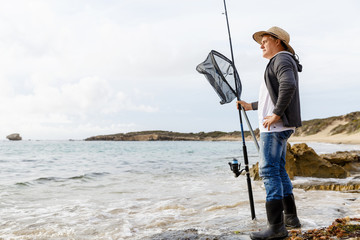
74 69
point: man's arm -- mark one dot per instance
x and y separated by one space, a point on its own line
284 70
247 106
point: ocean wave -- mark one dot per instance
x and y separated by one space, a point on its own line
222 207
29 160
43 180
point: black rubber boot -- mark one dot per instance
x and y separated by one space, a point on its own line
276 227
290 216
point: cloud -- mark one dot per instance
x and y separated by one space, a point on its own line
71 104
88 67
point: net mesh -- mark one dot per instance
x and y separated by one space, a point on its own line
223 77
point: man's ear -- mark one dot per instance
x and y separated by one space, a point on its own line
278 42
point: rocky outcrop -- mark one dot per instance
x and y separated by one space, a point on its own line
350 161
14 137
351 186
303 161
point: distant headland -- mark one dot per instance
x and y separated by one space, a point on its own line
340 129
170 136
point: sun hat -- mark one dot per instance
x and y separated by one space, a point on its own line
276 32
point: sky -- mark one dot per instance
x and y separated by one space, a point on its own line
75 69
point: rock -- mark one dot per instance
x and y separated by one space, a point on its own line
351 184
290 163
254 172
14 137
303 161
353 187
342 158
341 228
194 234
348 160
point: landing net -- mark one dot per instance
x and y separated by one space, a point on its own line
222 76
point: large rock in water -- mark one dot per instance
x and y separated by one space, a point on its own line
14 137
349 160
302 160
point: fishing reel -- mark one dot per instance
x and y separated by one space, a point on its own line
235 167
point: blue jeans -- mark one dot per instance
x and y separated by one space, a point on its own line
272 165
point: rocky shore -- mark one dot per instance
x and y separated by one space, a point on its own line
342 228
337 172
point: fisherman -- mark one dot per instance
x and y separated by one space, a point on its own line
279 114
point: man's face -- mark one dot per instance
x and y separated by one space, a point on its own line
269 46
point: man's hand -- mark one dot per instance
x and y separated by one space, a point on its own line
269 120
245 105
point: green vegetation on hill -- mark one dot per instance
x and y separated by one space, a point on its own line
168 136
351 125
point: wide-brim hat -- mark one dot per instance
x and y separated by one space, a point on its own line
276 32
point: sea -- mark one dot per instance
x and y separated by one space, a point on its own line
143 190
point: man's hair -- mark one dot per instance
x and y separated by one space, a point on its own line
284 45
275 38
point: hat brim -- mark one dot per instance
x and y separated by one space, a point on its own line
258 37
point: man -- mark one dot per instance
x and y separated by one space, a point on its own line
279 114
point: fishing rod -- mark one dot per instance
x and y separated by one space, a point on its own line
234 165
238 97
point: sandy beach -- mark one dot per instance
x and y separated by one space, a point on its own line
321 137
326 137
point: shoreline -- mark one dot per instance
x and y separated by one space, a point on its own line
345 227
